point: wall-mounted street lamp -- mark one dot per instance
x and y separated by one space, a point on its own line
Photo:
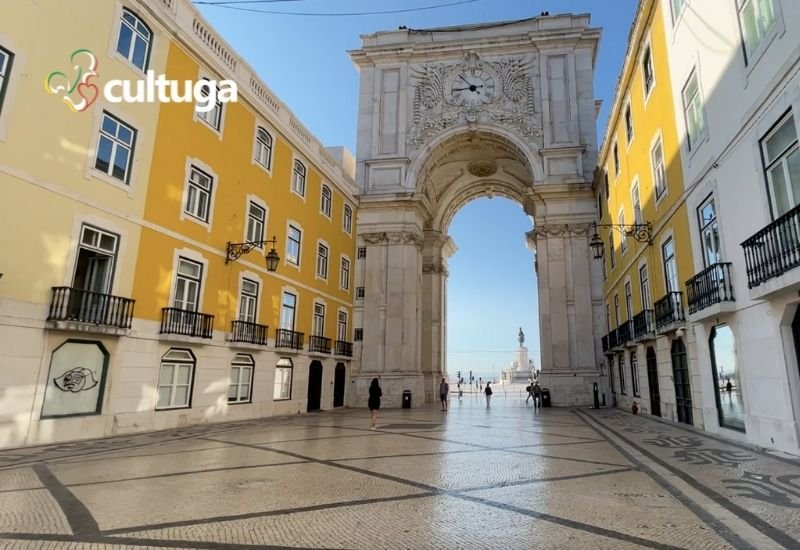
641 232
237 249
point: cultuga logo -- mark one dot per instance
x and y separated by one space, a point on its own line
79 93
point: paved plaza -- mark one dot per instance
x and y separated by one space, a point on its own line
504 477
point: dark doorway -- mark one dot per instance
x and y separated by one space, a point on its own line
683 389
338 385
314 386
652 381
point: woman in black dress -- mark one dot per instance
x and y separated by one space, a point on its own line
374 402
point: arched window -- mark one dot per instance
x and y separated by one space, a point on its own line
299 178
325 201
135 40
347 222
283 379
175 379
241 378
263 153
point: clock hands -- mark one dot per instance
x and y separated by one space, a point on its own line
472 88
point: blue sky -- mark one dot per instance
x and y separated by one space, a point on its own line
492 286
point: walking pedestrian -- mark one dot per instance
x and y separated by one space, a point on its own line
529 389
374 401
488 392
444 392
536 391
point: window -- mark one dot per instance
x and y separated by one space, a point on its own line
608 318
599 205
358 334
322 261
616 159
263 154
325 201
617 313
756 18
644 286
288 309
241 378
628 123
693 111
362 253
134 40
198 194
187 285
670 266
605 267
299 178
605 183
659 171
293 245
611 250
637 204
344 274
709 232
6 58
212 117
248 302
94 265
115 148
611 373
318 322
283 379
175 379
256 216
628 301
623 242
347 222
647 71
782 166
621 360
341 329
634 374
359 293
677 8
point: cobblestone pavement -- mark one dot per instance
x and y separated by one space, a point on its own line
504 477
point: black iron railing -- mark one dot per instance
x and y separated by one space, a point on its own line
249 333
289 339
341 347
85 306
774 250
319 344
643 323
669 309
186 323
624 333
711 286
604 340
612 339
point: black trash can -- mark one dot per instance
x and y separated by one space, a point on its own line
545 397
406 399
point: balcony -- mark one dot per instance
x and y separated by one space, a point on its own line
710 287
186 323
773 252
319 344
340 347
644 327
624 333
612 339
91 311
604 340
289 339
249 333
669 311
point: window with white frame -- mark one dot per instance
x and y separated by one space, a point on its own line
709 232
175 379
362 252
628 123
115 148
623 242
344 274
782 165
213 116
659 170
347 221
256 217
611 374
648 74
187 285
293 245
318 322
341 328
325 201
299 178
677 8
605 184
621 359
637 204
358 334
263 153
283 379
605 267
288 309
670 265
693 111
198 194
617 312
611 253
634 374
322 261
248 301
608 318
616 159
756 19
644 286
94 268
628 301
135 40
6 59
242 368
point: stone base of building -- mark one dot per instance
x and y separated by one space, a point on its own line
392 387
570 389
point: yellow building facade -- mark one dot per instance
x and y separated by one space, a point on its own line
128 310
644 226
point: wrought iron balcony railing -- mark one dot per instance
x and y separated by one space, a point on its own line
186 323
85 306
249 333
319 344
711 286
624 333
604 340
343 348
669 309
288 339
774 250
612 339
643 324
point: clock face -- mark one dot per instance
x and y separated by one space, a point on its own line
473 88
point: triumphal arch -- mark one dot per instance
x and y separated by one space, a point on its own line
449 115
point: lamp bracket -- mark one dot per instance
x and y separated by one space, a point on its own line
641 232
235 250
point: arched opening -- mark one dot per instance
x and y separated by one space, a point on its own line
683 388
314 386
652 381
340 373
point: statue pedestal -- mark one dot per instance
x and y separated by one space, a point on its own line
521 372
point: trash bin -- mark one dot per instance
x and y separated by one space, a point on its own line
406 399
545 397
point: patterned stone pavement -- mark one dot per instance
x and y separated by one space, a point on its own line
504 477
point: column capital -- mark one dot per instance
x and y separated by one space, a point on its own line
435 267
561 230
394 237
